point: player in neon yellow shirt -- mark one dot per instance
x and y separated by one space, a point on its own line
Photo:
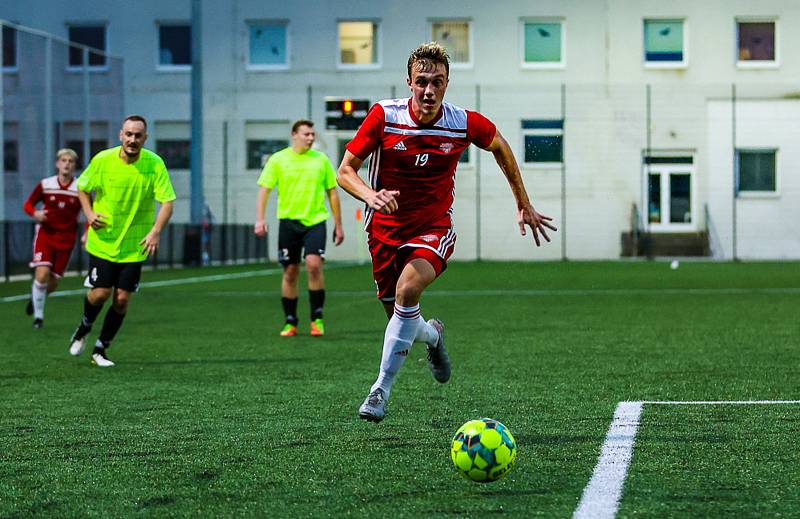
303 177
127 181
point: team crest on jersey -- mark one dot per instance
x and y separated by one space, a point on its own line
428 238
400 146
446 147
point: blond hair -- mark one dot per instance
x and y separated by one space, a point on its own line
68 152
429 54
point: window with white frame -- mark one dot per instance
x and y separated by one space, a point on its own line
542 43
542 141
173 143
756 42
756 170
9 48
262 139
93 36
664 42
358 44
174 45
454 35
268 45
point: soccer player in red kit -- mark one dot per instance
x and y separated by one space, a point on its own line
415 144
56 229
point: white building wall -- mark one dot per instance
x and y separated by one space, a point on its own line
606 104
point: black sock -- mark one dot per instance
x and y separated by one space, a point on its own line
90 313
111 325
317 299
290 309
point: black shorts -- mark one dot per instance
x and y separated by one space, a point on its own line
106 274
293 236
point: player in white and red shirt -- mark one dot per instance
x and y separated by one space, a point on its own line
56 229
415 144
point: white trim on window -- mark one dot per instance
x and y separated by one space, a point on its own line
377 42
170 68
458 65
542 65
776 193
757 64
15 68
663 65
256 67
91 68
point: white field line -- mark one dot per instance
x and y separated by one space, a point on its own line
555 292
446 293
602 495
163 283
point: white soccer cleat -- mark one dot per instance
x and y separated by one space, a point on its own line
77 346
101 361
374 406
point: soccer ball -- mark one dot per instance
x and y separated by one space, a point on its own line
483 450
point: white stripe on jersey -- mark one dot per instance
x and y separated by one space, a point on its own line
51 184
396 111
373 183
425 131
60 192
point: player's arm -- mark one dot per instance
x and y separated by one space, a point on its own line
260 228
40 215
95 220
526 214
336 209
150 242
383 201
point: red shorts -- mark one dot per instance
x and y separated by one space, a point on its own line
46 253
434 246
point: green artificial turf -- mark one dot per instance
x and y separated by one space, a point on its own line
209 413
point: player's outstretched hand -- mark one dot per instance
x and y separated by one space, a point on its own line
260 229
383 201
150 242
527 215
96 220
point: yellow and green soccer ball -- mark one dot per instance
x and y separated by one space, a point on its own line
483 450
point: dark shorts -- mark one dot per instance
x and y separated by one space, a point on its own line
294 236
388 261
106 274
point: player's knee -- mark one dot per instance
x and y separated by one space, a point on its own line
408 291
121 301
99 295
313 266
290 272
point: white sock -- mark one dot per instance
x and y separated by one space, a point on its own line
38 296
426 333
400 334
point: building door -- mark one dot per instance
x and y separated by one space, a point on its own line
670 197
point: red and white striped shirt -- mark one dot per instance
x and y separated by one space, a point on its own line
418 160
62 206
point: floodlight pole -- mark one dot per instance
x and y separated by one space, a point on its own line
196 158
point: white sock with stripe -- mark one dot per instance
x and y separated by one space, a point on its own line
400 334
426 333
38 296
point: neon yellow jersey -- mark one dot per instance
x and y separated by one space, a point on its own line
125 194
302 180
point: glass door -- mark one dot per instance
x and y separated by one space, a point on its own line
670 199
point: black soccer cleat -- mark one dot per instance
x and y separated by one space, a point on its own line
38 323
29 307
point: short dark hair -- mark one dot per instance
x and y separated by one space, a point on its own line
302 122
135 117
429 54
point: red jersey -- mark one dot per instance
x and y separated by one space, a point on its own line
417 159
62 206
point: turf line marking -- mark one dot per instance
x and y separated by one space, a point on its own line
602 495
163 283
